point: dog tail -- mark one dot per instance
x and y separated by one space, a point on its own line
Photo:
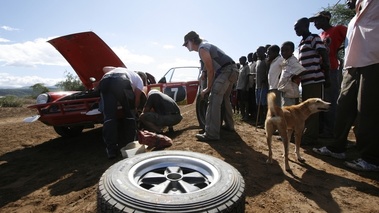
275 110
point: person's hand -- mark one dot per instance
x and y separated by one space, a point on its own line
296 79
204 92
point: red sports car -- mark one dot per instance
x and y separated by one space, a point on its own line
69 112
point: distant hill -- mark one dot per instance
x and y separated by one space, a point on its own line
20 92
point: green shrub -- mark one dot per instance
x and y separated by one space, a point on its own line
10 101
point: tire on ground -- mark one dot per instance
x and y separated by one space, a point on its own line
171 181
201 109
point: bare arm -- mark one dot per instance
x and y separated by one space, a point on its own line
325 65
208 63
325 59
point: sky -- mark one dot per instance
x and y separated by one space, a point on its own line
147 35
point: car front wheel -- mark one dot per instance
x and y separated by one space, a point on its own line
171 181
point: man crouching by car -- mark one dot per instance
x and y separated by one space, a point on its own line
119 86
160 111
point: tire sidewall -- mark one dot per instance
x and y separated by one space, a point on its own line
118 185
201 110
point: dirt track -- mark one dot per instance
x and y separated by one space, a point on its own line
42 172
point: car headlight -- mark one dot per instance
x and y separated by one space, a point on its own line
42 98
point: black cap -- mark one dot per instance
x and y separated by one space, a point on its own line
189 36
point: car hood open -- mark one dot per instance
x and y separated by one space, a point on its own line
87 53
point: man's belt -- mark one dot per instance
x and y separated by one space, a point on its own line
227 64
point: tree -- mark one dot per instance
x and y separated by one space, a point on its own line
71 83
341 14
38 89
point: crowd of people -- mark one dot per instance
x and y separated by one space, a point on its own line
243 86
316 70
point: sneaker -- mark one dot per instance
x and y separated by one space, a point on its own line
204 138
362 165
326 152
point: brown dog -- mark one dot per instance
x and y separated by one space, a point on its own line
290 119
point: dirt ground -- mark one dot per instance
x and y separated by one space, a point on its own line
42 172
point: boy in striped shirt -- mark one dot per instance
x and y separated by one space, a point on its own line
314 58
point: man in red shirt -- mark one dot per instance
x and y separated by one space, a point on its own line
333 37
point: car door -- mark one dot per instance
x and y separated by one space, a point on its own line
180 83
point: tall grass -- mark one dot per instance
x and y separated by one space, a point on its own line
11 101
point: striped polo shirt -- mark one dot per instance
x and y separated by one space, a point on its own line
310 60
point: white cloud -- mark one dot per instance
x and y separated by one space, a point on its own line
164 46
168 46
178 63
10 81
7 28
29 57
130 58
40 52
30 54
3 40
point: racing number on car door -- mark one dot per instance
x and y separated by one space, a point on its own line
176 93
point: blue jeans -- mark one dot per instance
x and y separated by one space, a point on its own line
114 91
261 96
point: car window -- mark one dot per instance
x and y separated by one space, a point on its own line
180 74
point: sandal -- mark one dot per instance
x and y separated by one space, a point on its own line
362 165
326 152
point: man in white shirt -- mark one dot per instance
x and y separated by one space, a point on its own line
251 58
275 61
357 100
242 88
119 86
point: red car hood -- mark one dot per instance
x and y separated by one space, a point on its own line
87 53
